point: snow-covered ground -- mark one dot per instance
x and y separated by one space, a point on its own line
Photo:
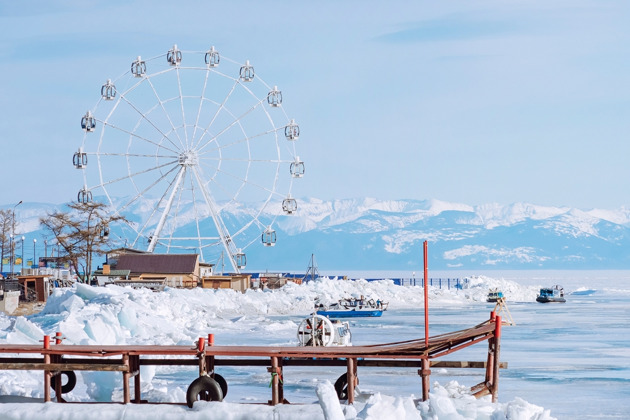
537 368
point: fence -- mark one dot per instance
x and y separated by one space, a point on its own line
441 283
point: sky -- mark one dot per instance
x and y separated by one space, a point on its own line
471 102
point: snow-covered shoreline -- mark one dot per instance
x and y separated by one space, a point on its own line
116 315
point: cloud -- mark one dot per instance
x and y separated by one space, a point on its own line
449 28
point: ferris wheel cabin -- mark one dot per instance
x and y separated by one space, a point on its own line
212 57
84 196
174 56
247 72
274 98
138 67
108 90
241 259
88 123
79 160
292 131
269 237
289 205
297 168
104 232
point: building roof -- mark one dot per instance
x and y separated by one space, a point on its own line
126 251
158 263
112 273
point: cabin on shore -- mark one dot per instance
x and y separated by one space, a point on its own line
131 267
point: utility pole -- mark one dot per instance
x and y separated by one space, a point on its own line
13 236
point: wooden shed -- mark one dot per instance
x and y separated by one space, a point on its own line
34 287
240 282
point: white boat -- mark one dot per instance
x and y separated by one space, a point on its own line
317 330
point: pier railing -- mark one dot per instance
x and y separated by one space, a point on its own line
57 359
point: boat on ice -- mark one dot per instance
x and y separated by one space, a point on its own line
494 295
352 308
551 294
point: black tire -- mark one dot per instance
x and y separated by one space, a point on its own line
203 388
222 383
70 383
341 386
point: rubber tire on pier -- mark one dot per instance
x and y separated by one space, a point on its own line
341 386
70 383
222 383
203 388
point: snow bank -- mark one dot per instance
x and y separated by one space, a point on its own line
117 315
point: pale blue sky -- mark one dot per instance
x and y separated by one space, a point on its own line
464 101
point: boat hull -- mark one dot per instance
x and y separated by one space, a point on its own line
351 313
550 299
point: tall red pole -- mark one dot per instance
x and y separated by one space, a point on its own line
426 294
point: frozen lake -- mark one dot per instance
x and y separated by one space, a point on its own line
571 358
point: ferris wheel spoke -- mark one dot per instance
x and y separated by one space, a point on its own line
181 103
243 139
143 192
229 126
144 117
131 175
134 155
200 107
136 136
161 103
245 181
220 108
244 160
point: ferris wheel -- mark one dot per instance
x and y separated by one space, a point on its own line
197 148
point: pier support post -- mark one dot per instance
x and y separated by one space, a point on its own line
126 375
425 373
352 378
495 364
134 362
275 380
47 373
201 353
490 360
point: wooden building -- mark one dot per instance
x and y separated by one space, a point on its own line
239 282
175 270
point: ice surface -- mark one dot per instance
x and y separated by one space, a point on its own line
542 378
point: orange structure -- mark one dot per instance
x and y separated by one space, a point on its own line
60 359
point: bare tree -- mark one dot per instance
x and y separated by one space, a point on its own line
81 233
6 224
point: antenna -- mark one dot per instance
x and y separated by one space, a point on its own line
312 273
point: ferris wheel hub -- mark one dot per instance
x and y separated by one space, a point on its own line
188 158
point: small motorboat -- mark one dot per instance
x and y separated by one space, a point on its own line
494 295
352 308
551 295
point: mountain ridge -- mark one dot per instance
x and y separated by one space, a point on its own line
372 234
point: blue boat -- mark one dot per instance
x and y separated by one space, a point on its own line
352 308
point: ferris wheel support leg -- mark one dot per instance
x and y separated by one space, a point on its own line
167 210
228 243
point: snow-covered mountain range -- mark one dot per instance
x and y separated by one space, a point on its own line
372 234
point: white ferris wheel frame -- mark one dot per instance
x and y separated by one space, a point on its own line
185 149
